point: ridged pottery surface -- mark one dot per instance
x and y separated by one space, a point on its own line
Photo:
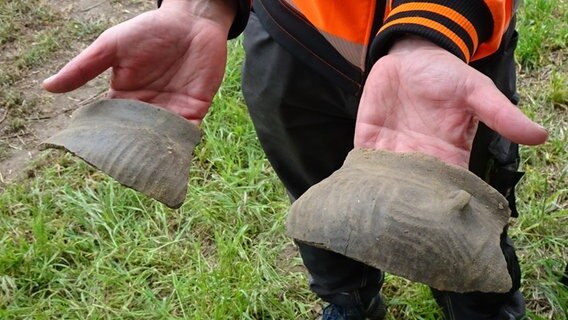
411 215
142 146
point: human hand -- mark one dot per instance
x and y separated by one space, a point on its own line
173 57
421 98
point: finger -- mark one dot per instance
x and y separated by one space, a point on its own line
94 60
498 113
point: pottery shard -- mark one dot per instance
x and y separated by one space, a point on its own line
142 146
411 215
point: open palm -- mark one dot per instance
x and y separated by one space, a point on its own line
166 57
420 98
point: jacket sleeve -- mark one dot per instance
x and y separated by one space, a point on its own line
241 19
470 29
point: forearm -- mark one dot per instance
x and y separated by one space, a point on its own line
231 14
470 30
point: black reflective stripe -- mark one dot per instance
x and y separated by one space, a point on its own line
305 42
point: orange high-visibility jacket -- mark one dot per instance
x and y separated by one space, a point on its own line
343 38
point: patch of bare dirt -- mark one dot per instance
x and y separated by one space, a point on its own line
52 112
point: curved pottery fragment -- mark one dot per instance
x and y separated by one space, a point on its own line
141 146
411 215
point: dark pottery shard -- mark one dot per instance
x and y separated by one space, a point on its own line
142 146
411 215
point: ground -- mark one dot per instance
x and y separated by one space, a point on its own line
75 244
29 114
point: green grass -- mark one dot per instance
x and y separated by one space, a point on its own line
543 28
31 33
13 12
74 244
32 37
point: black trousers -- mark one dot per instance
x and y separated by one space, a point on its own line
306 125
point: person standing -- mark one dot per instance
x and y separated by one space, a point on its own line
323 77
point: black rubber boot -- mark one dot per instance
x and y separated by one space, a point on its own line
375 310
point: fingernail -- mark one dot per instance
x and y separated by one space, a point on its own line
49 79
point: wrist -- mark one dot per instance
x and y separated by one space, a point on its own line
220 12
410 43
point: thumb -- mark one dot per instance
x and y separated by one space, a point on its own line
498 113
94 60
